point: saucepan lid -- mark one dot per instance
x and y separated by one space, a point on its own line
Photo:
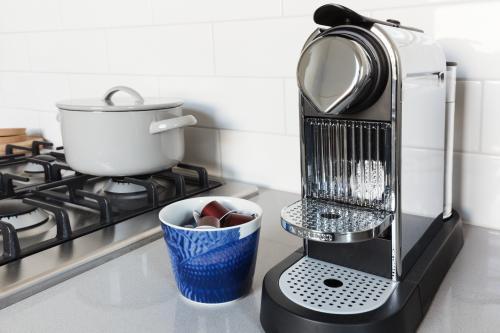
109 104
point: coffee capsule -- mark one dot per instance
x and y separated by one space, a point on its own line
205 227
210 221
233 219
215 209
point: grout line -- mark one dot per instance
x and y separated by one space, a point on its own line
212 33
173 76
27 43
106 50
219 131
219 144
20 108
282 8
481 116
477 154
176 76
249 19
143 26
67 78
420 5
158 88
242 130
151 10
285 113
60 13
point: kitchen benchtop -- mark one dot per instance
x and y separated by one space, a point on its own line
136 292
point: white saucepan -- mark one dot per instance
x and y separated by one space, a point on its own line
106 137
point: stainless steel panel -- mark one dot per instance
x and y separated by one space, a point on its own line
331 72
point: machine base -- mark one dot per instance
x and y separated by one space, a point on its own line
403 311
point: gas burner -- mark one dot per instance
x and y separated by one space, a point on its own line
22 216
32 167
119 186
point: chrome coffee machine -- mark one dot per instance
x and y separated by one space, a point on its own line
378 229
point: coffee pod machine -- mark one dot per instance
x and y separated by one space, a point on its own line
375 215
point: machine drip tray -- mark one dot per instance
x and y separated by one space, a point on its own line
333 289
326 221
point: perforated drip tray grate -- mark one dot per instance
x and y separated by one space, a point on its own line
329 288
327 221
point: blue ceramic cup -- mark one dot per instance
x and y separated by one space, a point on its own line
211 265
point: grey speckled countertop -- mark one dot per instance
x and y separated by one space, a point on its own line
136 292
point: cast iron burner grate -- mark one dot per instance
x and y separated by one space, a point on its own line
21 168
329 288
78 205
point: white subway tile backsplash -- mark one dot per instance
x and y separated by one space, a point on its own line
169 50
10 117
51 128
248 104
14 52
234 63
491 118
475 189
203 148
46 90
267 160
37 91
89 85
467 32
12 89
165 12
107 13
291 106
260 48
68 51
468 116
301 7
29 15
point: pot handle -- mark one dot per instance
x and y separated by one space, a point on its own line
172 123
109 94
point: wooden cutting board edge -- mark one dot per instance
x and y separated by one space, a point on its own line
25 143
12 131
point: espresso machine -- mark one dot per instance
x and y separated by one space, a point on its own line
379 232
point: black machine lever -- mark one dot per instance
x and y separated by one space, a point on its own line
333 15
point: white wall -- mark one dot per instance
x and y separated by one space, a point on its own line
233 62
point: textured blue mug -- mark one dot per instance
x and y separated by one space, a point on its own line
211 265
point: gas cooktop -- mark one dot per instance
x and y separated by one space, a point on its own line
56 222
